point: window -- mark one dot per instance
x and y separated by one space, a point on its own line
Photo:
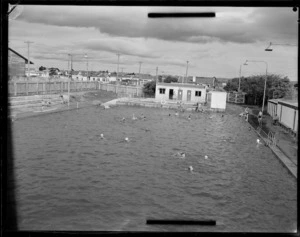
162 90
197 93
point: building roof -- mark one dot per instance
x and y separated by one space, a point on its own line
217 92
188 85
26 60
289 102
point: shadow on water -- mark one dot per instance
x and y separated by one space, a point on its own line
9 198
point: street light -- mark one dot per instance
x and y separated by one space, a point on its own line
270 49
265 79
240 76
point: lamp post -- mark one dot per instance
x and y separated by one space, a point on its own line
270 49
240 77
265 80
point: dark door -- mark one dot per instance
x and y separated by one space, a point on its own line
171 94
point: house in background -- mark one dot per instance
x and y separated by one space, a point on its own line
178 91
16 64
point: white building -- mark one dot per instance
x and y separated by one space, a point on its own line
216 100
178 91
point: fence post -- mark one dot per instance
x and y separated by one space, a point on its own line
44 88
26 88
15 87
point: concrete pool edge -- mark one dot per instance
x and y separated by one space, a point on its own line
292 168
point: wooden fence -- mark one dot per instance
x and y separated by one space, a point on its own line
237 98
59 87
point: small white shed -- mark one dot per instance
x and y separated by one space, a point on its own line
216 100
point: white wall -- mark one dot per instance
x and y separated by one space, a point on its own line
272 109
194 98
112 78
218 100
287 116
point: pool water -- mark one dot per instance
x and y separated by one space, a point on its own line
68 178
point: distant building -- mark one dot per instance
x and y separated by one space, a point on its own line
178 91
16 64
205 81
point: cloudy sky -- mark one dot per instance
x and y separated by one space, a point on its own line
213 46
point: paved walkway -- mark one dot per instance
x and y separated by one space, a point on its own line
286 148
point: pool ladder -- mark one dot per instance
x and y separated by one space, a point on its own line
271 139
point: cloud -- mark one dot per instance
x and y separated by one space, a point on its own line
240 25
124 46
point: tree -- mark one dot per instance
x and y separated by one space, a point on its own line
170 79
41 68
53 71
276 87
149 88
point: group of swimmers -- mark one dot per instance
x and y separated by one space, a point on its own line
142 116
182 155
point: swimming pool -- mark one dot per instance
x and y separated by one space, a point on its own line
68 178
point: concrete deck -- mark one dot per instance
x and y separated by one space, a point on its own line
292 167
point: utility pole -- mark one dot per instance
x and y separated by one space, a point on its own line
28 62
118 65
87 66
140 68
187 66
71 59
139 72
156 74
68 62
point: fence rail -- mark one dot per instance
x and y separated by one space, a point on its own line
236 98
43 88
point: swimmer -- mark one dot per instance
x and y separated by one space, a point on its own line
189 118
176 114
206 157
190 168
127 139
181 154
142 116
258 141
133 117
101 136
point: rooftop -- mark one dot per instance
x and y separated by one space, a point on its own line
181 85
